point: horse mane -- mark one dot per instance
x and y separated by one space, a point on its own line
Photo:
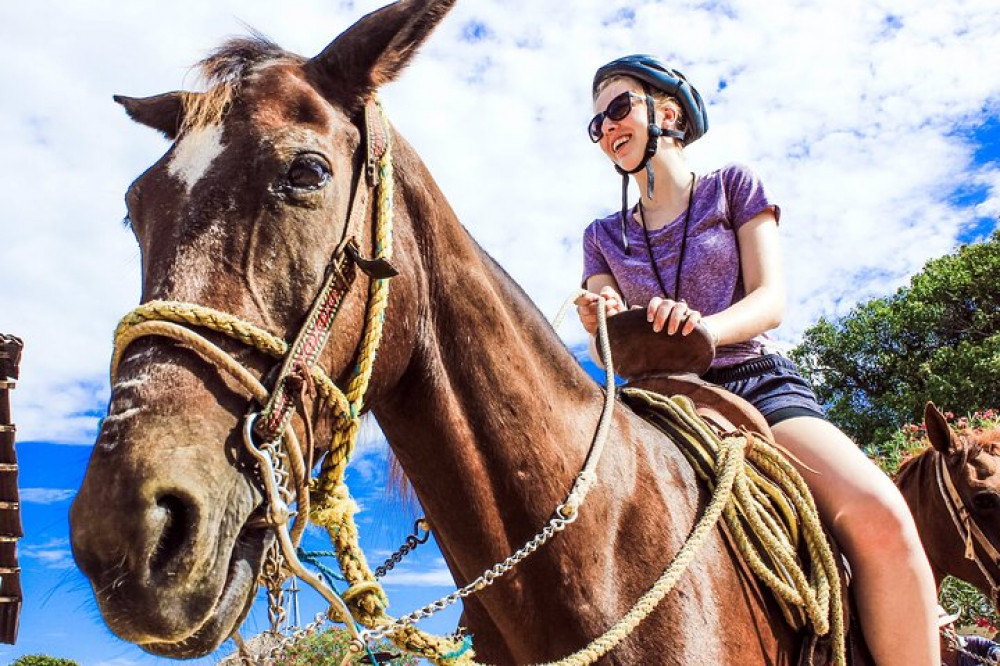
982 440
223 70
910 464
972 443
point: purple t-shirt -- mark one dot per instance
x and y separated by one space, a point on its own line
710 278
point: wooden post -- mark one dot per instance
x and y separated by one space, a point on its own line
10 503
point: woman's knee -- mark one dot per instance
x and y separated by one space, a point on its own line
878 524
857 501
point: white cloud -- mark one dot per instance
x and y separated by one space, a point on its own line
46 495
434 576
52 554
855 113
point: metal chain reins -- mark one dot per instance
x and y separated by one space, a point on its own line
285 474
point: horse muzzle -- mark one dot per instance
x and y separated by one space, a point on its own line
164 528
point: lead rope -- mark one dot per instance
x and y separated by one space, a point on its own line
730 461
823 605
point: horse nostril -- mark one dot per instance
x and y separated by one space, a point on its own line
175 515
986 501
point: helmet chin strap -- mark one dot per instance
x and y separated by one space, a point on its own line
654 133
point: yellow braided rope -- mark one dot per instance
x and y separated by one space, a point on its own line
220 322
225 362
378 300
762 495
332 506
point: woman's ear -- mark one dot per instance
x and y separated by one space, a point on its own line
670 116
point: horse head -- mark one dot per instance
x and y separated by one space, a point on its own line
968 484
241 215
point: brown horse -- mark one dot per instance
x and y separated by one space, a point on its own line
487 411
953 490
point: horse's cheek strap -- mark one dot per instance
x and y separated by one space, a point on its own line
312 338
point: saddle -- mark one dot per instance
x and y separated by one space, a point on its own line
671 365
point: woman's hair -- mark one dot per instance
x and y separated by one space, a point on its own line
661 98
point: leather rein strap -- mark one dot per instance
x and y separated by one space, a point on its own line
967 527
312 337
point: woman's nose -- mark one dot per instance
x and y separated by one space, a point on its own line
608 125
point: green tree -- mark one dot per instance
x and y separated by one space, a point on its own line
42 660
936 339
330 647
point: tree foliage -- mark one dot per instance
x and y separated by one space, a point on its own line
936 339
42 660
330 647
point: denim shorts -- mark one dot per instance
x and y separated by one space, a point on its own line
772 384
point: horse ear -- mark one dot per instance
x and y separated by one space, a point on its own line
162 112
938 431
374 51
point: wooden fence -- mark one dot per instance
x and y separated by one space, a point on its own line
10 504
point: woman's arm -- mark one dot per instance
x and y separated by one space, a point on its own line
763 279
601 285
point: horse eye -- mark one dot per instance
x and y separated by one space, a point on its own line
308 172
986 501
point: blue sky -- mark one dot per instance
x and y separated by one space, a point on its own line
874 124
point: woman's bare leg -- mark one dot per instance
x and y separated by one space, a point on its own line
895 590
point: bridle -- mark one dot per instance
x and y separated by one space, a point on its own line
279 456
968 530
282 470
312 337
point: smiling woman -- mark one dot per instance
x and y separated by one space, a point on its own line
704 250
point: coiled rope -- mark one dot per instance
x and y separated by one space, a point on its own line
771 513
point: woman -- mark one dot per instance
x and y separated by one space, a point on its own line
706 249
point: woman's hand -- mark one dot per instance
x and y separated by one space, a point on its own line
674 315
586 307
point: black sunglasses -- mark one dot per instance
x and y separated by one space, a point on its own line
618 108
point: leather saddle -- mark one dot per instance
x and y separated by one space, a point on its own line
672 365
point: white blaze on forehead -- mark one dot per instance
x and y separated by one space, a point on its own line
195 153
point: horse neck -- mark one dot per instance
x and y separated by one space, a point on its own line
493 417
917 482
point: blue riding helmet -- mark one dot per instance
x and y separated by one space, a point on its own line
653 72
